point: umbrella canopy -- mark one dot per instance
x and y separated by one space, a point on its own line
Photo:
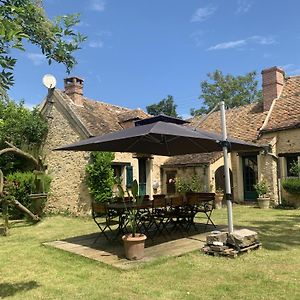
159 138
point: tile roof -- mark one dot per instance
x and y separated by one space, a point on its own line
100 117
242 122
192 159
286 111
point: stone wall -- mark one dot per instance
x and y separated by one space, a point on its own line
68 191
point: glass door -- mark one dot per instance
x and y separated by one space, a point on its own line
250 177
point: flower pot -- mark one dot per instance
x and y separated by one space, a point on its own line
263 202
218 200
134 246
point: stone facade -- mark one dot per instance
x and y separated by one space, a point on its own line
68 191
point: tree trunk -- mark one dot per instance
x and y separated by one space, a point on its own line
25 210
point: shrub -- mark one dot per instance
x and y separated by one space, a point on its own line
20 185
190 184
261 188
291 185
100 175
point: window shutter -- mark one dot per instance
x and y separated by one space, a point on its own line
129 176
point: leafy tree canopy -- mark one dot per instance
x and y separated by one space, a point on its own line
234 90
22 127
165 106
25 20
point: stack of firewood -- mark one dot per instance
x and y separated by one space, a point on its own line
231 244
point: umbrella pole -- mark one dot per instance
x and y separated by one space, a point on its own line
226 168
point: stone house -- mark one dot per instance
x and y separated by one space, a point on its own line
274 123
72 117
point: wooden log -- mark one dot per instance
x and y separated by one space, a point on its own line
25 210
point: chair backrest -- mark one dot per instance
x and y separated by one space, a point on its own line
99 208
159 202
176 201
206 197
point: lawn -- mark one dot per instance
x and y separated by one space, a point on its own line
30 270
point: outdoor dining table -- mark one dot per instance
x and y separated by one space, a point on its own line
121 208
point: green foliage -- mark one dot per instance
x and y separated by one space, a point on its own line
100 176
24 128
132 212
24 20
292 185
188 184
165 106
234 90
261 188
21 184
295 169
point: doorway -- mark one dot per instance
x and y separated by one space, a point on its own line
220 180
250 177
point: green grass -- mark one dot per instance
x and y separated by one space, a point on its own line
29 270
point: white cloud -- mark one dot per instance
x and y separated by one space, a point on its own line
203 13
255 39
263 40
243 6
96 44
228 45
36 58
197 36
98 5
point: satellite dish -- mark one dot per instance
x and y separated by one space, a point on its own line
49 81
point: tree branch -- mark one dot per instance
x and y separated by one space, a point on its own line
18 151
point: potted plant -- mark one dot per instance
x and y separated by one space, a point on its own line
134 243
219 195
262 190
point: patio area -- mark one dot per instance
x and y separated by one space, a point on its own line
112 253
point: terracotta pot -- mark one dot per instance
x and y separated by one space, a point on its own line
134 246
263 202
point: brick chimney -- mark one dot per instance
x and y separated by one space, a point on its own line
272 83
74 89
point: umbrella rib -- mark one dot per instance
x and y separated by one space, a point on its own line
135 142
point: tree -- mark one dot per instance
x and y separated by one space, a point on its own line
24 128
234 90
165 106
25 20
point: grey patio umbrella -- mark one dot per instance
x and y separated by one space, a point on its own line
162 135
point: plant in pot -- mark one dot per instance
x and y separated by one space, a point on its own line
262 190
219 195
134 243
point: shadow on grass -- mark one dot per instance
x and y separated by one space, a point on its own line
10 289
280 234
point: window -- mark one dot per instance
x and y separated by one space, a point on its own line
290 161
129 176
117 171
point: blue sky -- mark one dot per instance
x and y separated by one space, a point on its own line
140 51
